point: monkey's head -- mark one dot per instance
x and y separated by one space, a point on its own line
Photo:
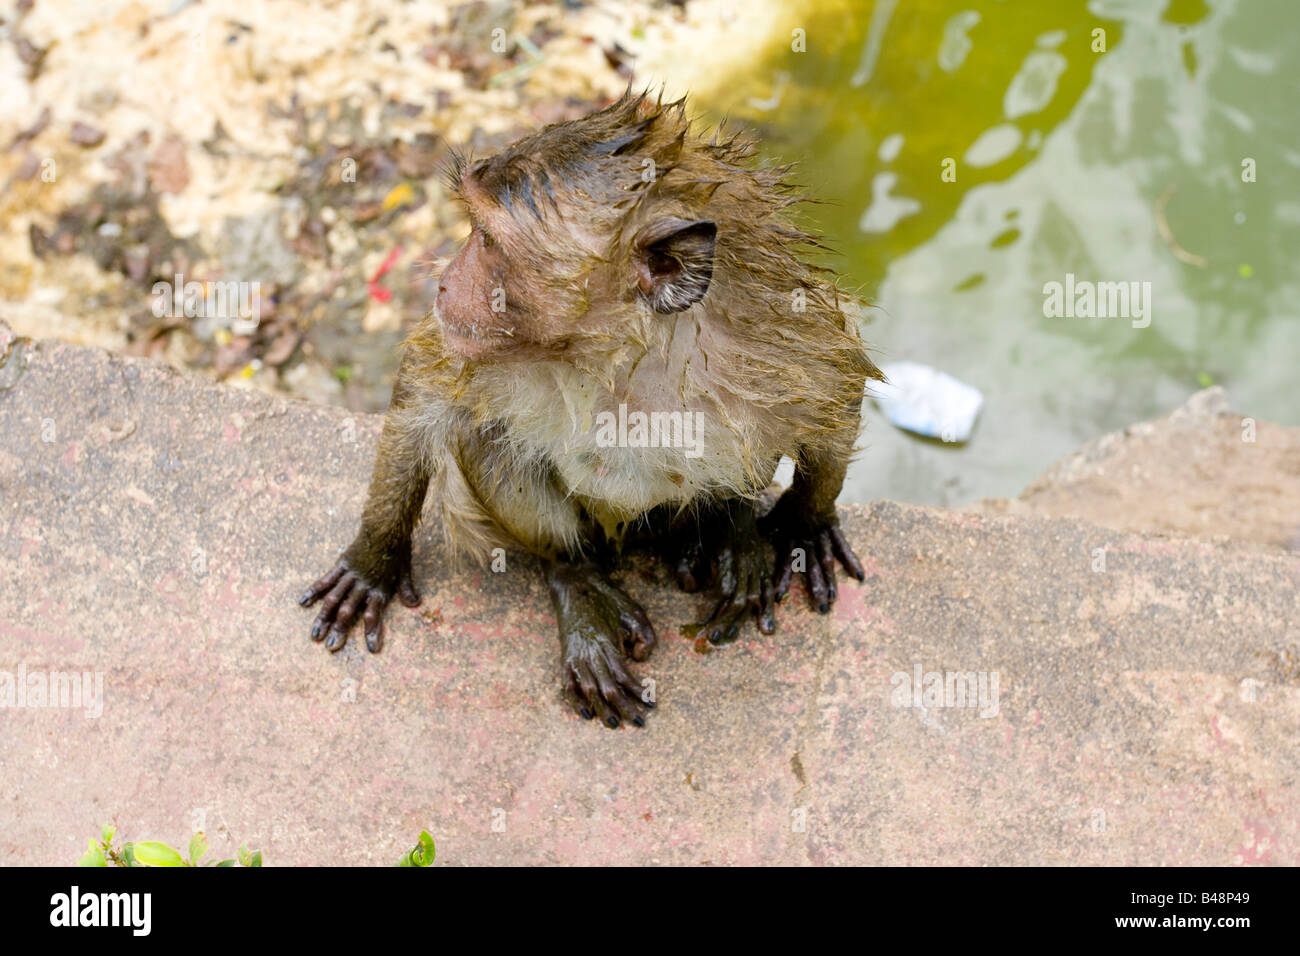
587 233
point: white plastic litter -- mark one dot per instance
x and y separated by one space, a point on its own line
924 400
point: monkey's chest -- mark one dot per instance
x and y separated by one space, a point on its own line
626 461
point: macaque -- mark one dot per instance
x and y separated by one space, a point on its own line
623 350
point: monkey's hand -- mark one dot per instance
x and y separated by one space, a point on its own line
810 545
360 584
600 625
740 565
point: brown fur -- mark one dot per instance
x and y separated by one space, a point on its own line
563 208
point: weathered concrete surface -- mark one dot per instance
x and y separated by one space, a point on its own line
158 530
1201 470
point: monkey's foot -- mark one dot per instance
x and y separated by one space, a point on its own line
813 548
347 594
600 626
743 584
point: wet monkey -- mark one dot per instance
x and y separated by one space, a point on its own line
621 268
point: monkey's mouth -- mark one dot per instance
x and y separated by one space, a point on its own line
470 342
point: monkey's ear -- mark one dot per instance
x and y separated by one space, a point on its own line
673 259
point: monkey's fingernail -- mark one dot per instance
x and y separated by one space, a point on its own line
586 714
649 703
638 721
304 599
612 720
824 607
315 631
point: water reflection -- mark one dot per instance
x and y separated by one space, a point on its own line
972 153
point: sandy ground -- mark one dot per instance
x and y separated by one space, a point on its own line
294 148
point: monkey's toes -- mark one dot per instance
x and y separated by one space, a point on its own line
602 688
750 595
406 591
845 554
322 586
349 599
634 625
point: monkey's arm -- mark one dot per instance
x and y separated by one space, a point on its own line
804 519
378 562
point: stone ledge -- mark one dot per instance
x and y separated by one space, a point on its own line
157 529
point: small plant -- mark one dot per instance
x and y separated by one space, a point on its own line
421 854
153 853
104 851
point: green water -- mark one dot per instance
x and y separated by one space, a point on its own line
1063 158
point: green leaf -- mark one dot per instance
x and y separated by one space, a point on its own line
108 832
128 855
227 863
421 854
249 859
94 856
198 847
153 853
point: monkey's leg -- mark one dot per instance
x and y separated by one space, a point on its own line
598 624
720 545
805 530
377 564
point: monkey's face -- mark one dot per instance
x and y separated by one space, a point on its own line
472 301
542 280
498 299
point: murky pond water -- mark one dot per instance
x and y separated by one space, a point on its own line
971 153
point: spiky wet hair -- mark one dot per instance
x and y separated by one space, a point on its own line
791 347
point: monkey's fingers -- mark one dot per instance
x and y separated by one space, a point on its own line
639 637
574 696
765 611
752 598
846 555
373 619
346 617
784 570
638 633
613 680
728 575
691 569
332 600
817 587
724 624
827 560
590 693
406 590
322 586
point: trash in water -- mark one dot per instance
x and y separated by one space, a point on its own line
921 399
